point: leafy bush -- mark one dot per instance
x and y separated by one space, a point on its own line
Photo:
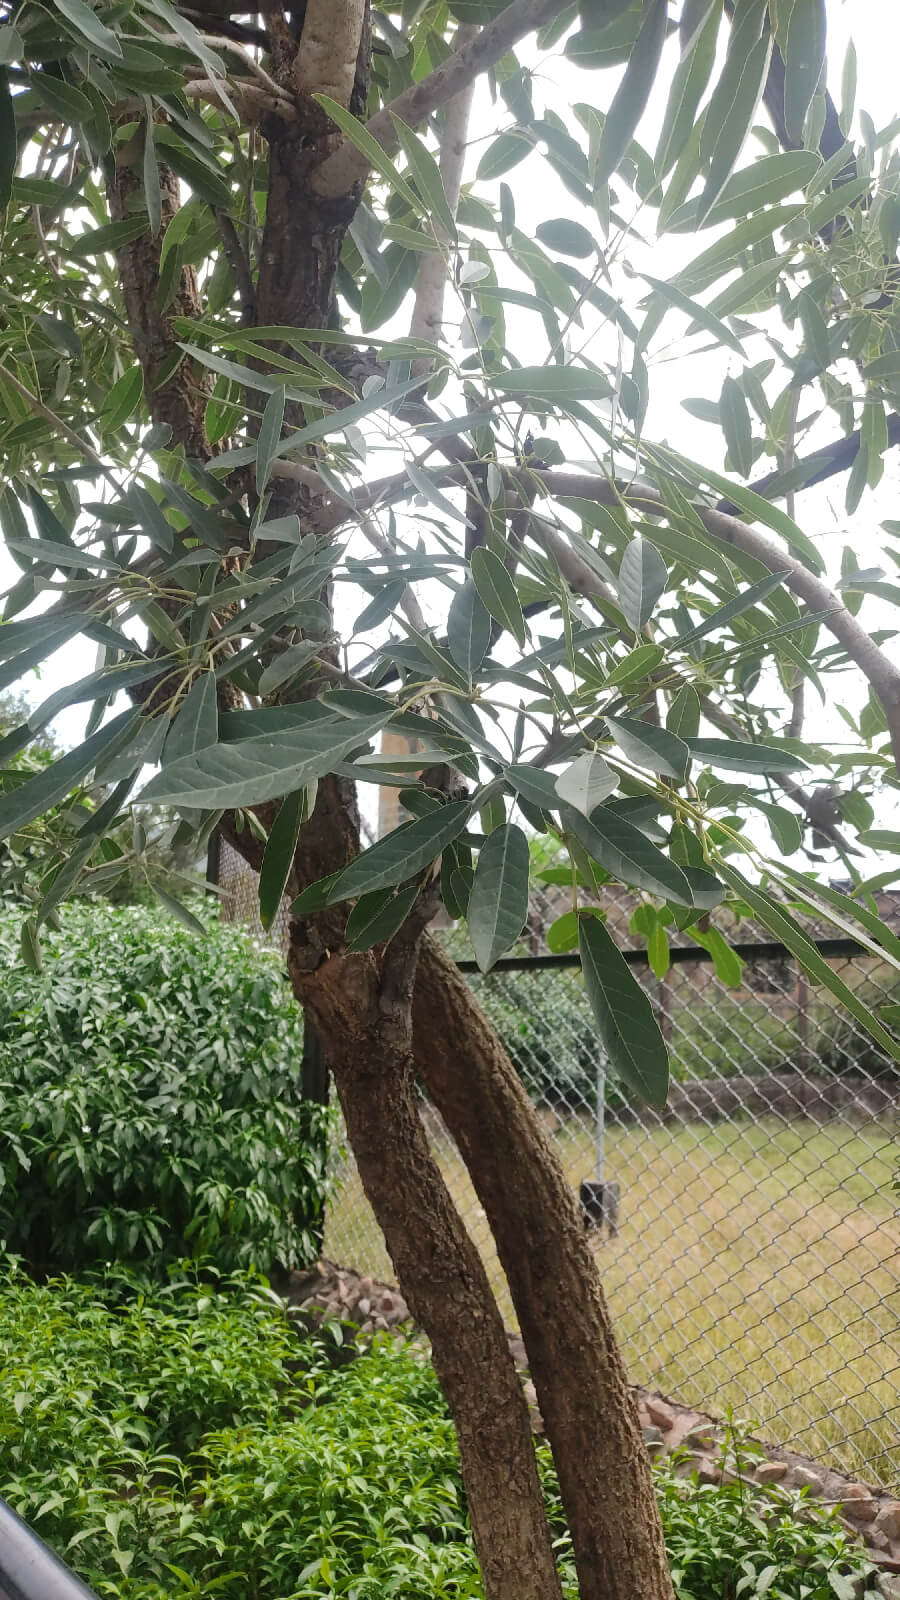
182 1440
150 1105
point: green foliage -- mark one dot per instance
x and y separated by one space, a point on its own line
149 1098
182 1440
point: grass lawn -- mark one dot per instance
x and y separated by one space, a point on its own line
757 1269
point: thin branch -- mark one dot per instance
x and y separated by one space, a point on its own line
347 166
408 601
428 311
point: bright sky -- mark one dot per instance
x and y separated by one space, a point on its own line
539 196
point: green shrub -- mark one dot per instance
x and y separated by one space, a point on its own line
183 1440
149 1098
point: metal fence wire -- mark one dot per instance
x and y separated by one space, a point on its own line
750 1240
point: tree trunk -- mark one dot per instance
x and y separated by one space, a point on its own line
439 1270
589 1413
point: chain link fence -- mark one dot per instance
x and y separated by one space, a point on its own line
751 1249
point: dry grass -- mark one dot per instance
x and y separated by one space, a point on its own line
757 1269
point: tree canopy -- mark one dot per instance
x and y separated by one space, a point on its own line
316 430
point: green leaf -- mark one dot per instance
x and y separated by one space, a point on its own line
633 92
804 60
727 962
562 935
269 438
498 901
178 911
102 241
468 629
779 921
403 853
64 100
738 120
642 579
736 756
424 485
30 946
88 24
735 415
505 152
370 148
646 745
784 826
123 398
658 950
566 238
497 592
755 506
250 771
427 175
763 183
676 298
278 856
881 839
624 852
624 1015
48 787
378 916
748 597
536 786
197 724
684 713
8 148
689 81
639 663
587 782
554 383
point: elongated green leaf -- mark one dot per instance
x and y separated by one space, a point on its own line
646 745
587 782
370 148
779 921
250 771
726 961
62 98
197 724
403 853
554 383
427 176
726 253
498 900
468 629
124 397
804 60
784 826
269 438
102 241
642 578
737 757
704 319
505 152
633 92
739 119
755 506
278 856
623 851
54 783
763 183
639 663
498 592
566 238
735 415
8 150
422 481
689 80
733 608
177 910
536 786
378 916
624 1015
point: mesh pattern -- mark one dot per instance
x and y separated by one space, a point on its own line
756 1263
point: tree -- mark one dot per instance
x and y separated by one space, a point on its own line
211 222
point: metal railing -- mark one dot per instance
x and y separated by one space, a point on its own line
28 1569
748 1236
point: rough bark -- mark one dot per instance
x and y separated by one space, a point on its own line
589 1414
438 1268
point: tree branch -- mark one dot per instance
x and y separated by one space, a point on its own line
817 467
428 311
329 45
347 166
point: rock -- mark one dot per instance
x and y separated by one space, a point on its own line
701 1437
659 1412
652 1436
709 1472
888 1519
771 1471
802 1478
856 1501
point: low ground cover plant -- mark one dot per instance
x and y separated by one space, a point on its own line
189 1438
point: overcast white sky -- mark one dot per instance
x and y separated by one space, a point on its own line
875 28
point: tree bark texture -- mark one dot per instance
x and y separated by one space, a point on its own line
439 1271
589 1413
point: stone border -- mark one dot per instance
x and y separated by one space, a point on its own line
328 1291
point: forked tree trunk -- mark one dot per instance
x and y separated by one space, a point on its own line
589 1413
440 1272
